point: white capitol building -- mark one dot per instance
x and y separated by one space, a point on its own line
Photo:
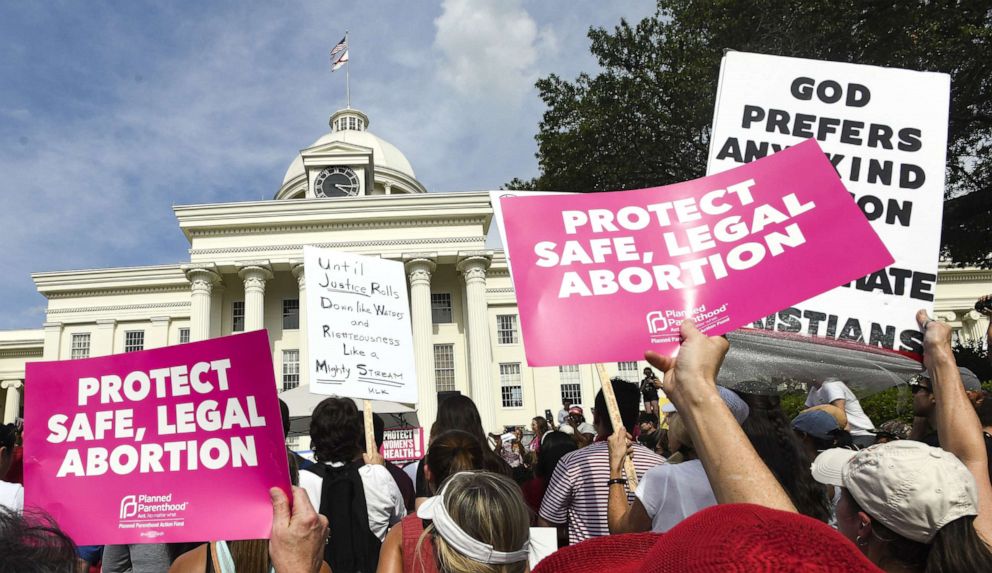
353 191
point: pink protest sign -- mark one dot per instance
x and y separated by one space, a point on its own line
603 277
402 444
167 445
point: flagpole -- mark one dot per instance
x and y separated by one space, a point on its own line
347 70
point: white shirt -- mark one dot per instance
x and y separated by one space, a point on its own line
382 496
673 492
831 390
587 428
12 496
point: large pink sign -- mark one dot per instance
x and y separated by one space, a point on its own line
603 277
173 444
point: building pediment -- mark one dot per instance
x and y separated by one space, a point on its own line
336 152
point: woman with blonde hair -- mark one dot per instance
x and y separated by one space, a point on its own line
477 523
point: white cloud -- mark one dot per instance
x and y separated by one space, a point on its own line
489 48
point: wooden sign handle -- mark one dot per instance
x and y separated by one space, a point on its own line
614 412
369 428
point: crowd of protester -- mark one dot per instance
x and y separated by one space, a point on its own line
725 482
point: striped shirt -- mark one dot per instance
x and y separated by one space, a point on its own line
578 493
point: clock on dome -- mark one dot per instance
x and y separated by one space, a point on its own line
337 182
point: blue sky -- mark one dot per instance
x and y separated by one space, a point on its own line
110 113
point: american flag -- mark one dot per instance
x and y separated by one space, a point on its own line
341 46
340 61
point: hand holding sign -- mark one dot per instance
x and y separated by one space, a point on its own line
691 374
298 535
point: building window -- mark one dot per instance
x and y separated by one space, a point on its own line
506 328
183 335
441 307
291 314
80 345
444 367
628 371
571 384
134 340
290 369
238 316
510 389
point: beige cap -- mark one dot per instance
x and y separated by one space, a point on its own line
910 487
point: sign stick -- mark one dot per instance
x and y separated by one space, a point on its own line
369 428
614 411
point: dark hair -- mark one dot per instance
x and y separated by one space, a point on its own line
378 429
566 401
336 431
542 427
647 417
452 452
33 543
459 413
554 446
771 434
958 547
284 412
984 410
628 401
8 436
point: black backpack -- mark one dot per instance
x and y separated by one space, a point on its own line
351 545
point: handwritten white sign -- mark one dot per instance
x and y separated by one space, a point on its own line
358 327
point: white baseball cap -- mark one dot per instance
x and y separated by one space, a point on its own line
735 404
910 487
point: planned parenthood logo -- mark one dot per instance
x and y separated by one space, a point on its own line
151 513
657 322
666 323
129 506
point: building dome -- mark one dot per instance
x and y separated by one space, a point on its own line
350 126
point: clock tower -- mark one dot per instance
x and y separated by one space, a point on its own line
349 161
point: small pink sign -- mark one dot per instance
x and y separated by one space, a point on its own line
602 277
403 444
169 445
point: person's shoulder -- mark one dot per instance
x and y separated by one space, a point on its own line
835 385
375 471
194 560
308 477
571 460
11 495
646 454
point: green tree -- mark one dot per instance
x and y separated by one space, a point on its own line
644 119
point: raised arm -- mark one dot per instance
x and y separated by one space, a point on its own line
957 423
623 517
736 473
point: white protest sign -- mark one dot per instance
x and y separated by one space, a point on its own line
885 132
358 327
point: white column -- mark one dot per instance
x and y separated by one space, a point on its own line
103 343
300 274
473 268
255 274
12 406
159 334
53 340
974 325
202 281
419 269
